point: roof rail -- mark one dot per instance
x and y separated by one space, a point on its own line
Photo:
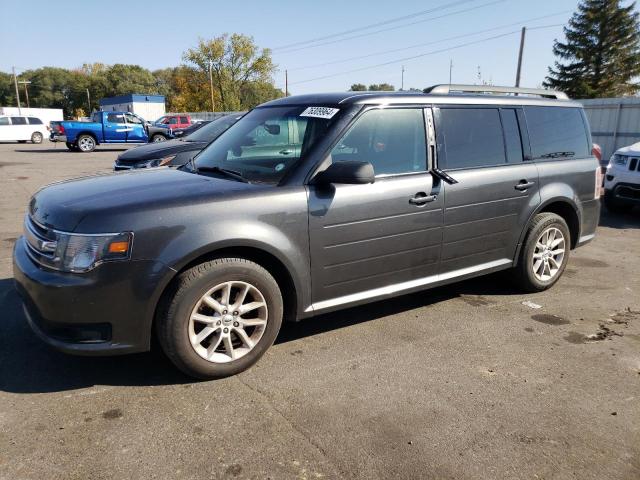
447 89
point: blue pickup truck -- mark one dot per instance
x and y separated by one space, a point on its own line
105 127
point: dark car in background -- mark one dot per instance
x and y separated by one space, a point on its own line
177 151
183 132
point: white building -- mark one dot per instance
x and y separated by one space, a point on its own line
45 114
149 107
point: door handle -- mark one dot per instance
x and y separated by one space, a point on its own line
421 199
285 152
524 185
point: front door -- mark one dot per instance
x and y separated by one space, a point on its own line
135 129
376 239
497 189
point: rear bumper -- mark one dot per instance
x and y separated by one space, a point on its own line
57 138
107 311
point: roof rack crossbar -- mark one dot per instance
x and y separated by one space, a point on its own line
447 89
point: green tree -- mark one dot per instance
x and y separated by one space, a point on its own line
381 87
235 61
7 90
358 87
601 54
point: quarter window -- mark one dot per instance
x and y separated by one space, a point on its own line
18 120
556 132
34 121
4 121
184 120
392 140
472 137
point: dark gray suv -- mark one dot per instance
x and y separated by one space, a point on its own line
309 204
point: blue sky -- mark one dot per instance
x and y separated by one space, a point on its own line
154 35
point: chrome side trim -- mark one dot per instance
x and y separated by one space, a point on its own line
400 287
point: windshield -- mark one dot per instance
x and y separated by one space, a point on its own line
161 120
212 130
267 142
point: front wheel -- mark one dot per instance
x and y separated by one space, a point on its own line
544 254
86 143
36 137
220 317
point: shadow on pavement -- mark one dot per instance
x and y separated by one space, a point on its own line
29 366
620 220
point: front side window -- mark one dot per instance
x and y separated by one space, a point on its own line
4 121
132 119
470 137
265 144
556 132
18 120
34 121
392 140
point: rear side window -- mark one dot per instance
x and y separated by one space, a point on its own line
115 118
34 121
173 121
556 132
18 120
184 120
392 140
472 137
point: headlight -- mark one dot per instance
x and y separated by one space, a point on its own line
69 252
620 160
156 162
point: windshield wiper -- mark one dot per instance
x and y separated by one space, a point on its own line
224 171
558 154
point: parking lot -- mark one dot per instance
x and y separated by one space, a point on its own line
470 381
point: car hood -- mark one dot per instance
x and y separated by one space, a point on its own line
156 150
102 203
630 150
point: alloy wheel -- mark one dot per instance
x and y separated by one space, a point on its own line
86 144
549 254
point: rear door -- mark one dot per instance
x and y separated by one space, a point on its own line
115 128
5 129
485 149
20 129
136 132
370 240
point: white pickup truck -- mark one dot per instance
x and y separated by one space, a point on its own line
622 179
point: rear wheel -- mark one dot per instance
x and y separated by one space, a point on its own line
544 254
220 317
86 143
36 137
158 138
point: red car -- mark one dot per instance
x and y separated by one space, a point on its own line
174 121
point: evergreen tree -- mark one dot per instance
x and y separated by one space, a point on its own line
601 54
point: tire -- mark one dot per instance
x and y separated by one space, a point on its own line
178 332
36 137
531 275
86 143
158 138
71 146
616 206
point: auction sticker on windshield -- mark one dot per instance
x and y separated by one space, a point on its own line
320 112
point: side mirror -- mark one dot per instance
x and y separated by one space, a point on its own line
272 128
349 172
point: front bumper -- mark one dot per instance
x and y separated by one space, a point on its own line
57 138
106 311
624 192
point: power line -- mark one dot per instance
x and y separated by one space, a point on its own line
372 25
456 37
394 28
433 52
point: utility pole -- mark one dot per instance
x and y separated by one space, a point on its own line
450 69
402 81
89 102
213 107
524 32
15 83
286 83
26 91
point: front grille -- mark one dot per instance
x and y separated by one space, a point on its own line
40 240
633 163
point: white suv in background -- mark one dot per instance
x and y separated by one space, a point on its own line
22 129
622 179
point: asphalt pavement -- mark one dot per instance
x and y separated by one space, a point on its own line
470 381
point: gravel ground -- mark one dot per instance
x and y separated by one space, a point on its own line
470 381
